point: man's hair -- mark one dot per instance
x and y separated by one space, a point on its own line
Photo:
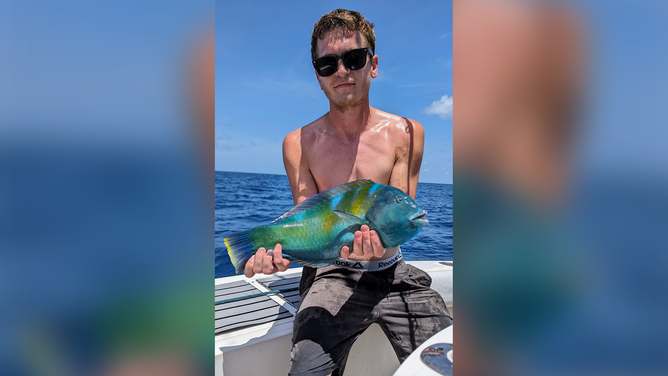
343 21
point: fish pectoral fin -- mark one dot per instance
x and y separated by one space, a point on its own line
350 219
373 226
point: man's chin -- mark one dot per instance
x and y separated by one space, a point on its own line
346 104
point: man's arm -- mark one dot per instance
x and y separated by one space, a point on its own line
302 186
406 169
302 183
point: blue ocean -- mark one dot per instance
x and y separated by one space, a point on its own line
246 200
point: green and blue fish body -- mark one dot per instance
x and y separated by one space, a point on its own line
313 232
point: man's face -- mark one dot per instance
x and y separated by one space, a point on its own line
346 88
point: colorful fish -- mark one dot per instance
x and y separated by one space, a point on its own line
313 232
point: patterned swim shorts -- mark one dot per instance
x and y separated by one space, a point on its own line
339 303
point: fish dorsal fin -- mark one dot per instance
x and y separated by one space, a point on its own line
322 197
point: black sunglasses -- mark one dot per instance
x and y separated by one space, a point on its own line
353 60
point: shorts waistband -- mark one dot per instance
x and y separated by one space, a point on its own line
369 266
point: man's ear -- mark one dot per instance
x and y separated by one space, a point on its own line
374 66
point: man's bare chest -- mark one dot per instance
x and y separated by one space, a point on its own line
335 164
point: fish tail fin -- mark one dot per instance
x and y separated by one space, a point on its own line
240 249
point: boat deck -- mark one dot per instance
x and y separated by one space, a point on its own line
259 326
239 306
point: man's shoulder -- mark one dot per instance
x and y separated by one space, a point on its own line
305 133
401 127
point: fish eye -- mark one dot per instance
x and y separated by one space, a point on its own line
398 200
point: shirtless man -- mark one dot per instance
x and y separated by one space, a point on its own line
353 141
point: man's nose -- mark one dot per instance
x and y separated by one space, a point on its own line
341 67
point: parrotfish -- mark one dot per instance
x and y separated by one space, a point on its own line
313 232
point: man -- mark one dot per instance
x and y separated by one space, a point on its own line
353 141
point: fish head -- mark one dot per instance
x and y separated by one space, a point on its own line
396 217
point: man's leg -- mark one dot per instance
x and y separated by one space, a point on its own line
333 313
412 312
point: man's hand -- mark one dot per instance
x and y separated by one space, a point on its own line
267 262
367 244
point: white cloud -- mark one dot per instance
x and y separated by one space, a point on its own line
441 107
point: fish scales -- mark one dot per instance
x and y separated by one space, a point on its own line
313 232
353 201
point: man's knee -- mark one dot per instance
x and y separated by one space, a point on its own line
308 358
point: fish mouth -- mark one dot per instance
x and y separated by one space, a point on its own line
419 218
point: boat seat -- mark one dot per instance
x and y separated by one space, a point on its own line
237 314
289 284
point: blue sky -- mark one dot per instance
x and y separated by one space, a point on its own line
266 86
626 108
78 71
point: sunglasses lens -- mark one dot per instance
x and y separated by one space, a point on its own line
326 66
355 59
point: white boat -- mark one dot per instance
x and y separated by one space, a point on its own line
254 334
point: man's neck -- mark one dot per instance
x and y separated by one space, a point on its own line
351 121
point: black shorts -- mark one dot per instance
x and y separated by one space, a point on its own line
338 304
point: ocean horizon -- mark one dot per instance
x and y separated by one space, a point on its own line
269 173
